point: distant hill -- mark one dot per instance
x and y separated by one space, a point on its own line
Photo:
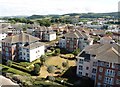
81 15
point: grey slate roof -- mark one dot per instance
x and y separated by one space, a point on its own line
34 45
105 52
23 37
43 28
76 34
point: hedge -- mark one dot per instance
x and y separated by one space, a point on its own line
12 70
21 68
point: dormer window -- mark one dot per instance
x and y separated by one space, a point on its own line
85 38
26 44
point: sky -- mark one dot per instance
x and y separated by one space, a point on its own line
45 7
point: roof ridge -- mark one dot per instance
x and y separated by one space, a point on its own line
76 34
115 51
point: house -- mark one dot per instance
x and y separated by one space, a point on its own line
31 28
45 34
22 47
49 36
3 35
96 32
106 40
12 29
100 62
75 39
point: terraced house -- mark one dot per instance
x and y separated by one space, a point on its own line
100 62
45 34
22 47
75 39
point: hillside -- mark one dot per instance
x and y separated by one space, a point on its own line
81 15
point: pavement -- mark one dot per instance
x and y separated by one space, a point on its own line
5 82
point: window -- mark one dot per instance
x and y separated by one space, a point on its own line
27 50
87 68
118 73
27 55
6 49
93 77
100 69
99 77
80 73
93 55
107 64
101 64
99 84
95 64
110 72
118 81
80 67
28 59
20 53
81 61
94 70
19 48
86 74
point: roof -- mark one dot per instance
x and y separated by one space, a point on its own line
76 34
106 38
34 45
104 52
23 37
43 28
98 31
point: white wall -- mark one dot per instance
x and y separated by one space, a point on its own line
36 53
52 36
2 36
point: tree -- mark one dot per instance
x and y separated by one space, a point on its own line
12 21
51 78
75 52
9 63
57 51
51 69
65 64
36 69
43 59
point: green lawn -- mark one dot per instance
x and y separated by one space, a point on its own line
56 61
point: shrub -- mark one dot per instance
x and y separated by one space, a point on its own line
51 78
21 68
57 51
75 52
36 69
9 63
51 69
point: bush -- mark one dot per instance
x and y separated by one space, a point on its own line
75 52
51 78
51 69
65 64
9 63
21 68
57 51
36 69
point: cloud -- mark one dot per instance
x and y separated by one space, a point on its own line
29 7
